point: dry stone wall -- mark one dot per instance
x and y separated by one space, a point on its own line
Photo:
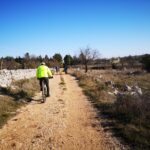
7 76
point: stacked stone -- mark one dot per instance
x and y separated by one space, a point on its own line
7 76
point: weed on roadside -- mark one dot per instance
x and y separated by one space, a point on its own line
16 96
62 81
129 114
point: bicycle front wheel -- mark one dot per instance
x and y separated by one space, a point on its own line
43 92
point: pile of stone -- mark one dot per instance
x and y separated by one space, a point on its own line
126 89
8 76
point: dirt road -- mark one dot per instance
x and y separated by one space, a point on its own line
66 121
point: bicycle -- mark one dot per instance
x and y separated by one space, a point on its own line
44 91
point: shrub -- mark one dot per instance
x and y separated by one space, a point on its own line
146 62
133 114
133 109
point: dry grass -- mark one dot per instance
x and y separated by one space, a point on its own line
28 86
62 83
7 107
13 98
130 115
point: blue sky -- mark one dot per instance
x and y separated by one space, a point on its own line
114 27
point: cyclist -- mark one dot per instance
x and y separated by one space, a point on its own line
44 73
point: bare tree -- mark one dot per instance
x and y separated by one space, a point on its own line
87 56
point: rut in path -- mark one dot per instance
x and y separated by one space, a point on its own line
66 121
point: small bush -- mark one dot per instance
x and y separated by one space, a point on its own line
146 62
127 107
133 109
62 81
134 114
25 88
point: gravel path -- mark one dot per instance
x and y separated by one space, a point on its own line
66 121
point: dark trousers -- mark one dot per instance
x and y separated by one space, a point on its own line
46 80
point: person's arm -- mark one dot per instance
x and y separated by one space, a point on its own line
49 72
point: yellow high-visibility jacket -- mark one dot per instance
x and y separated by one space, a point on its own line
43 71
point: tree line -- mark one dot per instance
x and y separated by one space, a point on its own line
31 61
87 58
